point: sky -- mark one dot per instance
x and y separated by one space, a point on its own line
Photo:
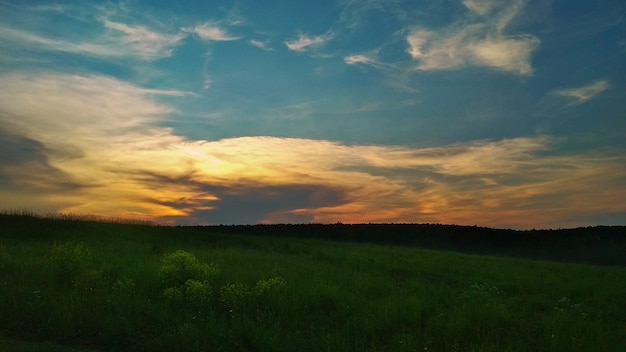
508 114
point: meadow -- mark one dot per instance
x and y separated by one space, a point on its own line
75 285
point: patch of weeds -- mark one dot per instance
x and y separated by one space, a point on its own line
156 249
236 297
187 278
482 310
482 293
197 291
68 261
233 296
274 284
123 288
5 257
567 309
180 266
193 291
568 324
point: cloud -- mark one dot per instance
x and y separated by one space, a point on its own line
478 40
144 42
211 31
369 58
236 205
122 41
104 142
24 165
363 59
585 93
259 44
36 42
305 42
481 7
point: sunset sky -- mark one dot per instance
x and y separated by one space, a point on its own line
508 114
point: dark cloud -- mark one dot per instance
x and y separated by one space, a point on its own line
237 201
25 165
255 204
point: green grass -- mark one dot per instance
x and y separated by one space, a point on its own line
68 285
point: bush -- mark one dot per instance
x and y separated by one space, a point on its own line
270 286
187 278
180 266
197 291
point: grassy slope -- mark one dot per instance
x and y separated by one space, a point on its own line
338 296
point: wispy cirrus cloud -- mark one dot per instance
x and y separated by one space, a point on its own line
122 41
104 137
145 42
369 58
38 42
585 93
363 59
263 45
479 39
482 7
306 42
211 31
114 34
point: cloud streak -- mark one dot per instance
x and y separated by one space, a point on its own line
261 45
306 42
144 42
211 31
114 38
477 40
41 43
585 93
368 59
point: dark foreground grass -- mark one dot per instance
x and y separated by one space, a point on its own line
67 285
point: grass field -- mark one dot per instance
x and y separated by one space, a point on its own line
68 285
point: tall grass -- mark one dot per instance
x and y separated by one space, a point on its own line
68 285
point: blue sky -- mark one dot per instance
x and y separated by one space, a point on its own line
495 113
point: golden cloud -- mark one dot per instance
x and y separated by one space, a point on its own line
103 137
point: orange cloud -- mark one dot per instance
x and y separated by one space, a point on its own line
96 147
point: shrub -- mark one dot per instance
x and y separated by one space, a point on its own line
187 278
180 266
269 286
197 291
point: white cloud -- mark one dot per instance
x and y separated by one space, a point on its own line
37 42
211 31
477 42
259 44
481 7
305 42
582 94
360 59
124 41
144 42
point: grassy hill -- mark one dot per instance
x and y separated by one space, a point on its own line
592 245
69 285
